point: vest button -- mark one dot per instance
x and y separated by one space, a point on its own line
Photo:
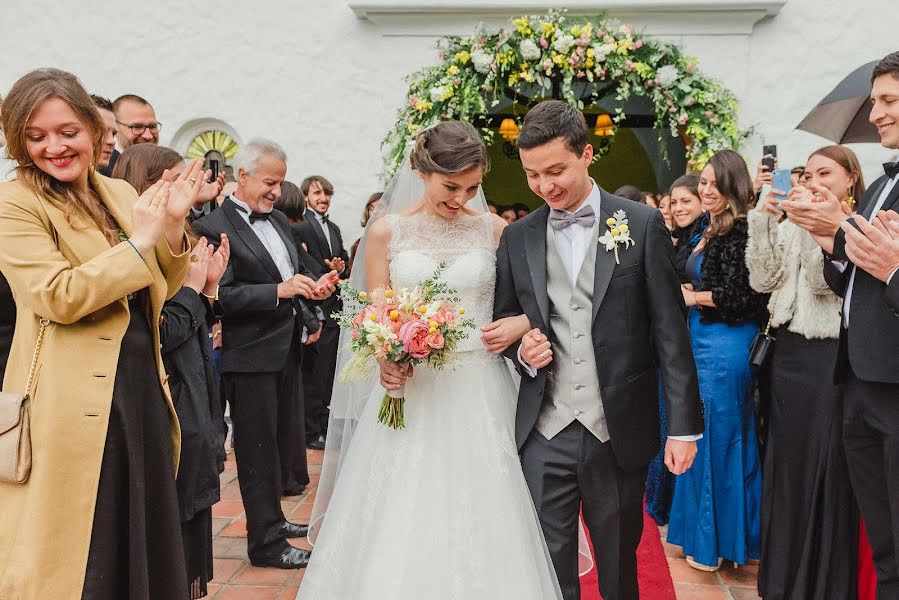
576 335
577 361
575 307
578 386
577 413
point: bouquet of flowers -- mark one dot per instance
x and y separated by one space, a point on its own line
406 327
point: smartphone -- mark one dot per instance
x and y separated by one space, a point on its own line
769 156
215 167
782 182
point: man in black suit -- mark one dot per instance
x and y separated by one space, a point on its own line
606 320
263 333
868 358
325 246
110 154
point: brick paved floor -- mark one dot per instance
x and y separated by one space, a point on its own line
236 579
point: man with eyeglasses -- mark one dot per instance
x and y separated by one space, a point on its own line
136 121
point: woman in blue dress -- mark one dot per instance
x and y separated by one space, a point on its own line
716 509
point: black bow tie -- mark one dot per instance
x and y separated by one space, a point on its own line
891 169
325 219
254 216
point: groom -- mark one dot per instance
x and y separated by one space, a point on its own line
606 320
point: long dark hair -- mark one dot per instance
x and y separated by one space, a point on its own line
142 165
847 159
735 184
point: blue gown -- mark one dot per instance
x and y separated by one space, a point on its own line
659 480
717 503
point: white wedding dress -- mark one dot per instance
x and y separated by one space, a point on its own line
438 510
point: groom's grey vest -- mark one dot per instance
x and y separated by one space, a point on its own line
572 387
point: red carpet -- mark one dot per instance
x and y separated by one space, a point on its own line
652 568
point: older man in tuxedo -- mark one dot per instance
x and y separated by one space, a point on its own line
325 246
262 296
868 358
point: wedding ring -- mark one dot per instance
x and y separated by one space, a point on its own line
193 180
543 356
193 258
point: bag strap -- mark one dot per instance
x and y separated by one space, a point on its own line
37 350
768 326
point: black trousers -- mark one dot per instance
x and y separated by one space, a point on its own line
319 364
265 409
575 471
871 440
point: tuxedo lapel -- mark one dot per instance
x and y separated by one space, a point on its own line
605 261
249 237
892 198
320 234
535 251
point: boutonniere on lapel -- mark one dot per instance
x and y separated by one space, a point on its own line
618 233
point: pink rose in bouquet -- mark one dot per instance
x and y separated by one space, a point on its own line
436 340
414 336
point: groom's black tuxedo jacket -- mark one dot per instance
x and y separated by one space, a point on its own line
257 327
871 344
639 328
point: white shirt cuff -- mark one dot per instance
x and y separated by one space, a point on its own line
686 438
890 276
527 368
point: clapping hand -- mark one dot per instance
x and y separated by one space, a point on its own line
218 263
149 216
820 214
185 190
210 189
536 350
199 265
336 264
874 246
502 333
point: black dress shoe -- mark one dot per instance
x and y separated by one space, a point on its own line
317 444
293 530
290 558
293 491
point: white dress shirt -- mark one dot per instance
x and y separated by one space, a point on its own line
572 244
326 229
884 194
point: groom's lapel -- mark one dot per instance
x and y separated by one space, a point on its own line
605 260
535 250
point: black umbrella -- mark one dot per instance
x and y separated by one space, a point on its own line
842 116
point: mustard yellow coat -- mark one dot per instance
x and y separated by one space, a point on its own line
70 275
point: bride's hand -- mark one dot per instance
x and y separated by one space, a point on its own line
394 376
501 334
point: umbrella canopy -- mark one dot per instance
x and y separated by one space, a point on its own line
842 116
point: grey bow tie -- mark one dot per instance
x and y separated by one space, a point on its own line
559 219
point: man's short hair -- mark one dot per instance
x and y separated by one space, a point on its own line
631 192
326 185
128 98
888 65
247 158
102 102
551 120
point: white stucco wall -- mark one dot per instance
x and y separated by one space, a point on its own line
326 83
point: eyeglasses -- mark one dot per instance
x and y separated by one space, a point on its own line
140 128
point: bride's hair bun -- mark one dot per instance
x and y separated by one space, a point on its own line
448 148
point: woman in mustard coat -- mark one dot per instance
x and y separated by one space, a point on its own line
98 517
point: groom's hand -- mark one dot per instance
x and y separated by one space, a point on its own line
536 349
679 455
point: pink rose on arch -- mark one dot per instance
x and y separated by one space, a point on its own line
638 44
543 43
414 336
435 340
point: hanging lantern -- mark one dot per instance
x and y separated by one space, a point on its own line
509 130
604 126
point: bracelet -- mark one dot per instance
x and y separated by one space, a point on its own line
136 250
214 296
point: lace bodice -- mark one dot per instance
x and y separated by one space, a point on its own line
419 243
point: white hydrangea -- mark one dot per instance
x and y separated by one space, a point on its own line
667 76
602 51
481 61
437 93
530 50
563 44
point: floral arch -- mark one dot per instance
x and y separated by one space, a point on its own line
576 59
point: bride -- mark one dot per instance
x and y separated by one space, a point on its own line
439 509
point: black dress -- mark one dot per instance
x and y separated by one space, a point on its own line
186 354
809 515
135 550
